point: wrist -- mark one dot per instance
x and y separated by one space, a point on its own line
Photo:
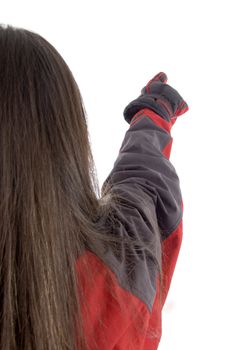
155 117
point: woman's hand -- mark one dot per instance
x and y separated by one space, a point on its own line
160 97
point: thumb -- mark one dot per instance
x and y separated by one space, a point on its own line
160 77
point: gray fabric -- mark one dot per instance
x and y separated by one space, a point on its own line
148 186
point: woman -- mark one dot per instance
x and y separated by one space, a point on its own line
80 269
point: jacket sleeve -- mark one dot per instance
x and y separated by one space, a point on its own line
149 187
150 198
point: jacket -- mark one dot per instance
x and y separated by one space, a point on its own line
146 179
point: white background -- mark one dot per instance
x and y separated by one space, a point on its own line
113 48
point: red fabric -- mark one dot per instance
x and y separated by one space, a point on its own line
103 319
158 120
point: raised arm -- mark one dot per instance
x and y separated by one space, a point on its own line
145 179
150 199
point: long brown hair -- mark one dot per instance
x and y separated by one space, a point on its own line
51 208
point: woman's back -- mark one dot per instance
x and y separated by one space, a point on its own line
77 266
